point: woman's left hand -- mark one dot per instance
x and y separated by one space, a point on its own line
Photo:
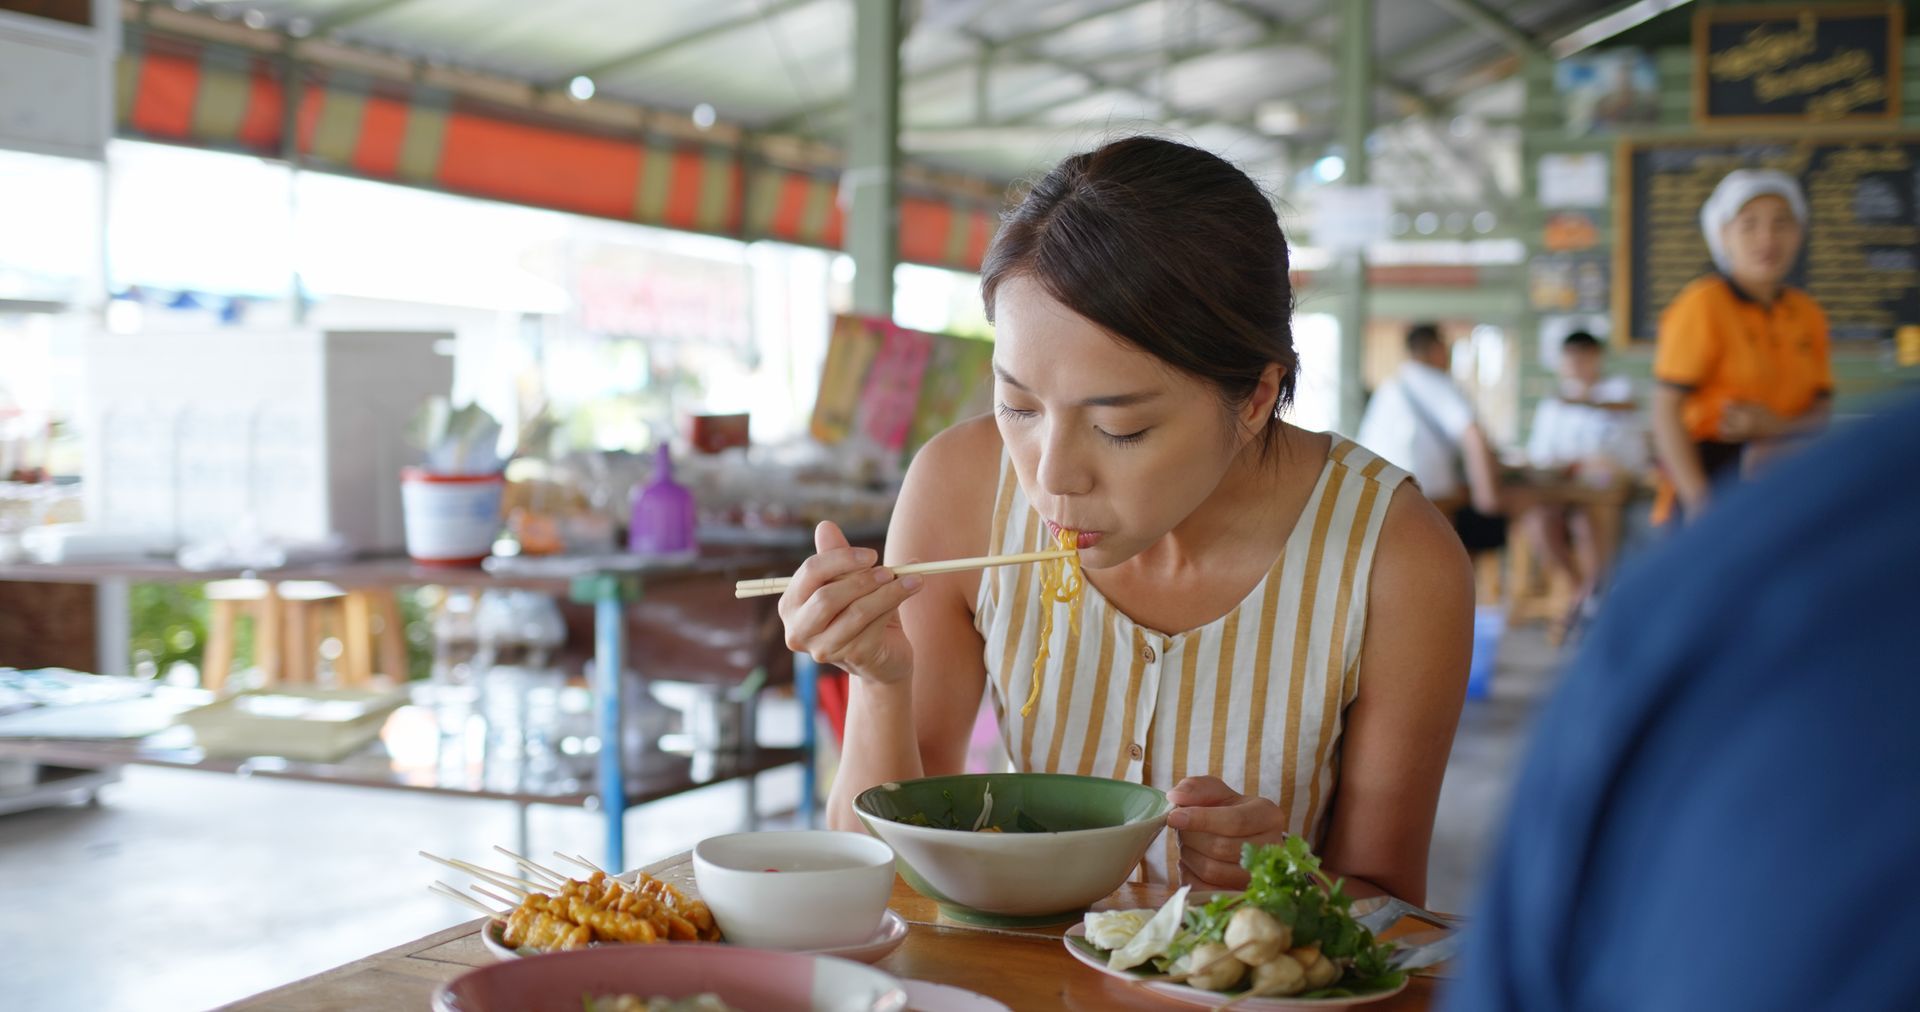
1214 822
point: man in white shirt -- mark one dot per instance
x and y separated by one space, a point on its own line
1422 422
1591 432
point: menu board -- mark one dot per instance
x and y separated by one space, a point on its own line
1815 63
1861 258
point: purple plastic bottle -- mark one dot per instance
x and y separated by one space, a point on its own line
664 519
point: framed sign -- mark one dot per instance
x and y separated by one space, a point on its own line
1807 64
1861 256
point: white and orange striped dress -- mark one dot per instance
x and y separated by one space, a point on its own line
1255 697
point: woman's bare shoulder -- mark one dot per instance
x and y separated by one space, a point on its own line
1420 557
946 503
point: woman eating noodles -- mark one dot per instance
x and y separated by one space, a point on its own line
1743 358
1275 625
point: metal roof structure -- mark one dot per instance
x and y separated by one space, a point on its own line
996 88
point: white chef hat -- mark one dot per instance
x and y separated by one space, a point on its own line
1736 191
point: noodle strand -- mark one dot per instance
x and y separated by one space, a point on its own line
1060 583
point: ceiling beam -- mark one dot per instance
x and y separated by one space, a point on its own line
654 50
1424 102
1494 25
1274 36
354 13
1100 81
800 117
1617 19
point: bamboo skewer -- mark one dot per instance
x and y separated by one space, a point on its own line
446 890
507 882
582 862
527 863
778 584
496 897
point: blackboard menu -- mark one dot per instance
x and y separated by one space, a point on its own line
1861 257
1810 63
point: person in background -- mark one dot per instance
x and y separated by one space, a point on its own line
1743 361
1421 422
1732 751
1587 431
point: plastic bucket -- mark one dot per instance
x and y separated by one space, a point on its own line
451 519
1489 625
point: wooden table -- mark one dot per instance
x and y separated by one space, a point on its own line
1028 970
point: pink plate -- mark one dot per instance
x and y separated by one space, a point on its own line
892 932
925 996
752 979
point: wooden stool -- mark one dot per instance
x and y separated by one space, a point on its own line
228 601
1536 595
291 621
315 612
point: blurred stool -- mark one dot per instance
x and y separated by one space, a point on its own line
228 601
1536 593
291 621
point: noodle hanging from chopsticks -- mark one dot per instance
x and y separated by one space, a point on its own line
1060 582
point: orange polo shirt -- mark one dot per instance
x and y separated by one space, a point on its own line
1723 347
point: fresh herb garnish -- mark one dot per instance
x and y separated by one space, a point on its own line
1286 881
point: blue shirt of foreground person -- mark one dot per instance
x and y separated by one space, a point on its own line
1721 808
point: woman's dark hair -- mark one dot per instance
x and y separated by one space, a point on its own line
1167 246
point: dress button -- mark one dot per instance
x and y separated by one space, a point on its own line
1135 751
1147 653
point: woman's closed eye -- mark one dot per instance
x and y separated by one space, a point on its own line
1011 413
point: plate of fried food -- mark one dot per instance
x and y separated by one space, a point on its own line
554 911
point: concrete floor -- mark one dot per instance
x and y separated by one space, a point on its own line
186 890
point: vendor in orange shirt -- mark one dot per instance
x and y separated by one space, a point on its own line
1743 359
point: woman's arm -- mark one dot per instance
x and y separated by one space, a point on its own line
919 725
1675 449
1413 679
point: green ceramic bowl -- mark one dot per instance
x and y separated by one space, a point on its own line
1065 841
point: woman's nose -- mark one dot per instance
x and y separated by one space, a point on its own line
1062 470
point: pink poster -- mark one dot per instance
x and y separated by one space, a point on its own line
892 392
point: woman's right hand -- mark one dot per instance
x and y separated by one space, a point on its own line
845 611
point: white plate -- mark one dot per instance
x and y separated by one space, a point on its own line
892 932
926 996
1195 996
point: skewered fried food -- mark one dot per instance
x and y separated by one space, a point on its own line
601 908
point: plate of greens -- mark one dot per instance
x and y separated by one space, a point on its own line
1289 941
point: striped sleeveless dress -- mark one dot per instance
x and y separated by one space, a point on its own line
1255 697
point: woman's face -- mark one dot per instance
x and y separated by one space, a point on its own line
1106 439
1763 240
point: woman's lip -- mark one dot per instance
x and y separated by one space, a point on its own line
1085 539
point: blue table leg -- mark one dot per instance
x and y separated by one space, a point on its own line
806 689
609 636
609 595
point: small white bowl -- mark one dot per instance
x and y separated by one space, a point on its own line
795 890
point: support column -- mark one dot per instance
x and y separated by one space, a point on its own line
870 185
1355 70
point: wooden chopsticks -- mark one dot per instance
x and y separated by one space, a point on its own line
778 584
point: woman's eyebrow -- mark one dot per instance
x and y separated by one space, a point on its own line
1102 401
